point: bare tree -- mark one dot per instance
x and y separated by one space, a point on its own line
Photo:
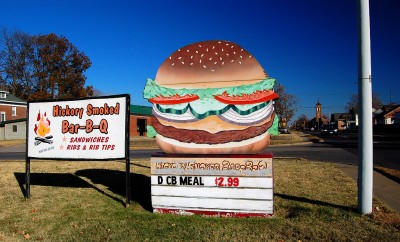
16 63
42 67
352 104
301 122
286 104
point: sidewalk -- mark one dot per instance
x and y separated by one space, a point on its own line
384 188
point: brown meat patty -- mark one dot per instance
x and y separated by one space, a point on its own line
204 137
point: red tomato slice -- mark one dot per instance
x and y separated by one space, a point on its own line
256 97
175 99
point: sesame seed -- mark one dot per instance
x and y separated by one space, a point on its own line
213 47
183 63
249 56
202 55
219 42
191 64
234 52
200 46
222 49
179 49
170 57
241 57
220 58
241 50
210 58
231 46
226 44
191 57
197 52
204 66
215 63
200 61
212 70
179 57
240 62
187 50
216 53
223 63
232 60
172 64
207 49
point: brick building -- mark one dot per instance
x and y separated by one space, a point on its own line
140 117
11 107
12 116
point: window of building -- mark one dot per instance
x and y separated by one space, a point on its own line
2 116
14 111
15 128
3 95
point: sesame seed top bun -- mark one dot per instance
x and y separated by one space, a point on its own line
210 64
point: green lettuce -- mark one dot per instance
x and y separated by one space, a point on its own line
151 132
274 129
152 89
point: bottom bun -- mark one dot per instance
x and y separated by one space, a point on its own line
250 146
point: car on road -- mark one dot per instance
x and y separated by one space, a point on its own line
328 129
283 131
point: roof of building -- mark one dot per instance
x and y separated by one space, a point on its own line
318 103
141 110
387 110
339 116
12 121
9 98
323 120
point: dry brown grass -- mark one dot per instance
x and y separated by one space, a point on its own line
390 173
83 201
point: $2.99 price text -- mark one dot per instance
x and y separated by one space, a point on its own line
227 181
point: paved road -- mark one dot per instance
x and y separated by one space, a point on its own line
326 152
386 147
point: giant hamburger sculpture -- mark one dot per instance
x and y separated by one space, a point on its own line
212 97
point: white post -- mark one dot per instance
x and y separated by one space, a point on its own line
365 143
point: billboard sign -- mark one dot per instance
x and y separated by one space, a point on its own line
94 128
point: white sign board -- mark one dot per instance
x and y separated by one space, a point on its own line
93 128
219 185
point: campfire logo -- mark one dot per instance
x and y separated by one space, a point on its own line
42 130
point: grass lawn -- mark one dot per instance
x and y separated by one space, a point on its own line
83 201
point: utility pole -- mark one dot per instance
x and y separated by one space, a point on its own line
365 137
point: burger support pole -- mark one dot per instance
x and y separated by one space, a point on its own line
365 143
27 162
127 159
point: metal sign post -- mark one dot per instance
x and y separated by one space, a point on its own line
365 139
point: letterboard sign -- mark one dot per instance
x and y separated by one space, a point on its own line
214 185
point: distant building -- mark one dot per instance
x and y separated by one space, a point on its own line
11 107
12 116
342 120
386 114
319 120
140 117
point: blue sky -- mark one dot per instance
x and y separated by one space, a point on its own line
309 46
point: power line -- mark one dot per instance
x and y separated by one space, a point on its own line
325 107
